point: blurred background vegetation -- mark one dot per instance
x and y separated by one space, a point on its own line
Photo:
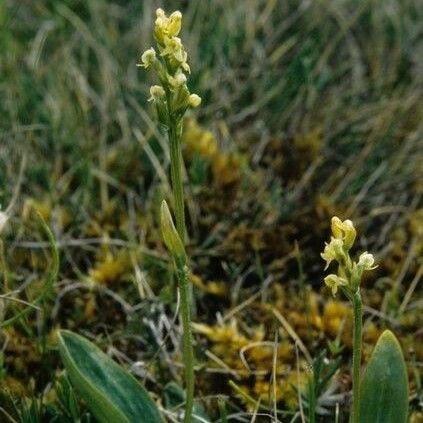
310 109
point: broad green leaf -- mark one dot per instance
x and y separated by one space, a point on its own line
111 393
384 386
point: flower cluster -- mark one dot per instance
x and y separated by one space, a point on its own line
172 98
349 272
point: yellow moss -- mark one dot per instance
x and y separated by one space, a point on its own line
415 223
14 387
226 167
21 353
199 141
336 315
223 334
105 220
261 389
310 143
315 317
44 208
64 217
219 289
371 334
288 388
90 308
110 267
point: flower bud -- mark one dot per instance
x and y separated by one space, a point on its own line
174 24
170 235
178 80
336 226
366 261
194 100
160 25
157 93
349 234
344 230
160 13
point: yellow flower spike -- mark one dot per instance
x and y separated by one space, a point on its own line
349 277
334 281
171 101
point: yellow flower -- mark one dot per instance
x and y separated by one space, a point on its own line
148 58
167 26
174 24
334 281
175 49
344 230
366 261
178 79
194 100
332 251
157 92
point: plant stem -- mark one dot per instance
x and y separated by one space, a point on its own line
176 176
357 311
188 352
182 270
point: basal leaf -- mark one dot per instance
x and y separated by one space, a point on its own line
111 393
384 386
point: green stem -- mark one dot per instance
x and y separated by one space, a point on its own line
176 176
176 163
187 342
357 311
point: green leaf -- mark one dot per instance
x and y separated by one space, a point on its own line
111 393
384 386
